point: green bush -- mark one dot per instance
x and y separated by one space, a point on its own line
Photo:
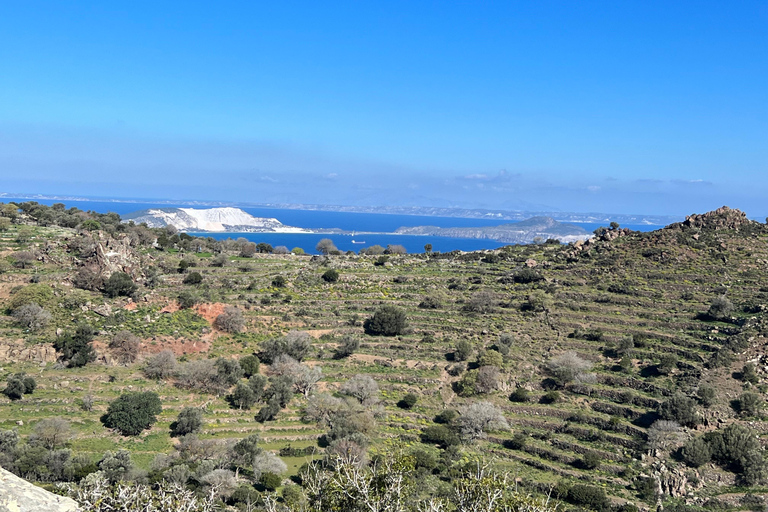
681 409
250 365
193 278
270 481
133 412
189 421
119 284
331 276
76 348
18 385
592 497
440 435
696 452
408 401
520 395
386 321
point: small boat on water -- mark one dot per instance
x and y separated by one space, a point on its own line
358 242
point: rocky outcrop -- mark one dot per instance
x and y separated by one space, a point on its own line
720 219
116 255
18 495
18 351
673 482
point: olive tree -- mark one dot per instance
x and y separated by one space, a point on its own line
479 418
567 366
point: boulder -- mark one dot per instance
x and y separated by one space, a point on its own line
18 495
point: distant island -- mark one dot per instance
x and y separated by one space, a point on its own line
235 220
525 231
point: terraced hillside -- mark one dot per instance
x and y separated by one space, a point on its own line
607 359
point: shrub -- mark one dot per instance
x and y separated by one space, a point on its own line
119 284
550 397
730 444
567 367
51 433
348 345
39 294
748 404
231 320
590 460
189 421
667 363
696 452
270 481
664 435
386 321
18 385
296 344
479 418
749 373
447 416
243 397
681 409
483 301
593 497
491 358
187 299
430 302
527 275
133 412
721 308
76 348
250 365
408 401
463 351
193 278
125 346
278 282
520 395
32 317
487 379
440 435
707 395
331 275
161 366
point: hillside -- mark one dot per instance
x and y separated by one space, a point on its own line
628 370
209 219
523 232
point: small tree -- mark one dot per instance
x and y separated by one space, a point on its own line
664 435
362 387
721 308
348 345
331 275
133 412
193 278
23 259
296 344
243 397
567 367
231 320
125 346
18 385
250 365
681 409
386 321
32 317
51 433
161 366
189 421
748 404
696 452
119 283
76 348
408 401
463 351
326 246
479 418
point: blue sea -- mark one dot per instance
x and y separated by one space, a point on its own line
369 228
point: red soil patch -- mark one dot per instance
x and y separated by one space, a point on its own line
210 311
171 308
131 306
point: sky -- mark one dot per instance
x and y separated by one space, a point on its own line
588 106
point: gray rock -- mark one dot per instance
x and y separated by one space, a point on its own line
18 495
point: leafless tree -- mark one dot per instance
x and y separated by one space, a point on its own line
161 366
32 316
362 387
51 433
231 320
567 366
125 346
479 418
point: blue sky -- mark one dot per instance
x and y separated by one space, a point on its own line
626 107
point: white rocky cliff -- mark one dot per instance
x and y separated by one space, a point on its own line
210 219
18 495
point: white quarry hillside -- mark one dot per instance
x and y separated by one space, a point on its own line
210 219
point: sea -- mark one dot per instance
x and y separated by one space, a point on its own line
367 229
